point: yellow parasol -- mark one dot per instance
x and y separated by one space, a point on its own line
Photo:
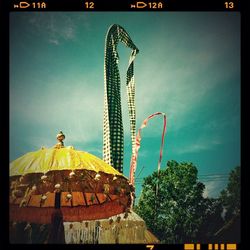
54 159
89 188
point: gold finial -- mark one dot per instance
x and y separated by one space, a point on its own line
60 137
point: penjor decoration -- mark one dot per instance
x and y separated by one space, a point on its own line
133 162
113 138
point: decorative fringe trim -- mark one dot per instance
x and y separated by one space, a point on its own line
78 199
107 231
121 228
80 213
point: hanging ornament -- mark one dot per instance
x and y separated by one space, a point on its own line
71 174
44 197
34 188
57 186
125 215
114 178
69 196
118 219
97 177
106 188
27 227
44 177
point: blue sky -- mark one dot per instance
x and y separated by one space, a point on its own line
188 67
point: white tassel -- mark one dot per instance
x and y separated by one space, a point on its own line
129 230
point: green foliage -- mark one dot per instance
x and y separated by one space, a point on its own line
175 214
230 197
179 213
212 220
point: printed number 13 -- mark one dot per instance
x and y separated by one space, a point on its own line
229 5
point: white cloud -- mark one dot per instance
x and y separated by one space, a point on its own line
197 147
76 108
56 29
209 140
54 41
201 143
213 187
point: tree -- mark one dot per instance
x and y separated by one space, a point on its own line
212 220
230 199
175 214
230 196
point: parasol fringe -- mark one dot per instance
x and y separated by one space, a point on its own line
116 229
79 213
105 232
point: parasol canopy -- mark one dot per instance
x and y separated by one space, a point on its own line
56 159
83 186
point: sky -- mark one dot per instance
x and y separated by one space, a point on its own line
188 67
